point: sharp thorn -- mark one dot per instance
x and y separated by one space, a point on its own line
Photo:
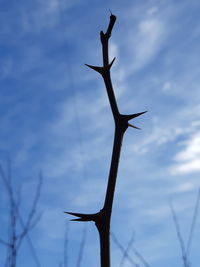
133 126
132 116
74 214
82 216
78 220
96 68
111 63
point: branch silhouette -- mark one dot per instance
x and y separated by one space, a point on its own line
193 224
65 260
141 258
125 251
103 217
15 240
179 236
82 246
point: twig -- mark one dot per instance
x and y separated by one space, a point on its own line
15 216
130 243
142 259
179 235
189 243
4 243
66 245
29 225
82 245
123 250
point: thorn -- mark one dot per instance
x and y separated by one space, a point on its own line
111 63
132 116
133 126
78 220
96 68
82 216
74 213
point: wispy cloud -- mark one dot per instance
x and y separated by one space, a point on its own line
146 42
187 160
43 15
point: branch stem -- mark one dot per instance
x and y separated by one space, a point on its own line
111 95
113 170
103 217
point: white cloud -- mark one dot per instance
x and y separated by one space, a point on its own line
187 167
188 159
158 213
90 195
147 42
118 73
192 150
159 136
113 50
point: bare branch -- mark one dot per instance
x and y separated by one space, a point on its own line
4 243
104 39
102 218
66 245
196 209
82 245
130 243
5 180
29 225
179 236
15 216
18 196
123 250
142 259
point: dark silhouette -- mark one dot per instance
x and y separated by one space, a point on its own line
102 218
186 247
16 237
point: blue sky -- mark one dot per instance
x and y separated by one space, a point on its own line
55 118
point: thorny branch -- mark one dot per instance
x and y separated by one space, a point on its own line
102 218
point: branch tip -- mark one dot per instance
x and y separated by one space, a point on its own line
111 25
112 19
